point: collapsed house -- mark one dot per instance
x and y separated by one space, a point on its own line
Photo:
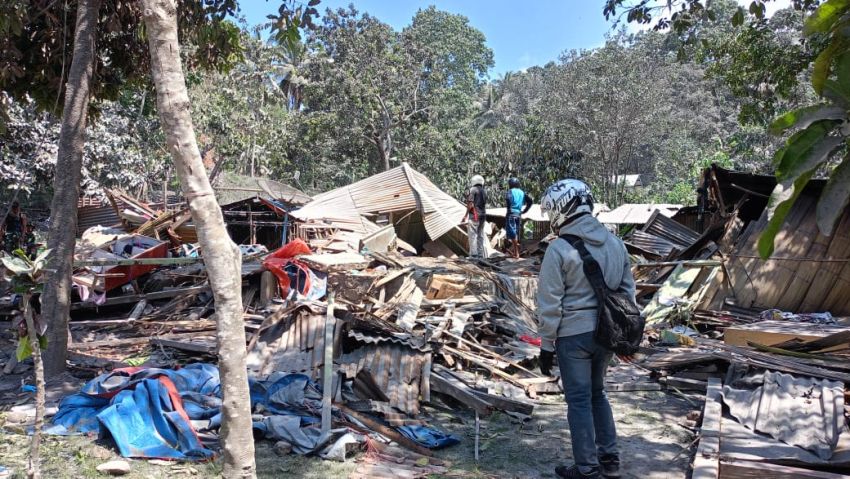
364 316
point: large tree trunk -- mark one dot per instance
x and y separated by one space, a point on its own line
221 256
56 300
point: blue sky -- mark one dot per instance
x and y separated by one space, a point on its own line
521 34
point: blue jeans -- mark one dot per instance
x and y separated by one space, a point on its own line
583 364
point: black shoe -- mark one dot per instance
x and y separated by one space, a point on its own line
573 472
610 466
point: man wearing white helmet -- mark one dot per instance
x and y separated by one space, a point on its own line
567 316
476 211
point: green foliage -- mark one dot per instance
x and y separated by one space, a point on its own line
823 130
36 43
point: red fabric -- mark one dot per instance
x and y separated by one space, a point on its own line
530 340
176 400
290 250
277 261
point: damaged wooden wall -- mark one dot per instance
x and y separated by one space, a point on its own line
808 272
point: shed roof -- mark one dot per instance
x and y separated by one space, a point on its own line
231 188
401 189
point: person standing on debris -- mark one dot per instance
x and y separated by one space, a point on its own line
476 210
567 312
13 227
518 204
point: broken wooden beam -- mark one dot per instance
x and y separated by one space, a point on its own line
443 381
189 344
386 431
135 298
136 261
504 404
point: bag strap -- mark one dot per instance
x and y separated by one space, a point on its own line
591 268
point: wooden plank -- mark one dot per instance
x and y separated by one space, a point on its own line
443 381
386 431
135 298
327 369
109 343
186 345
683 384
136 261
331 263
771 333
740 469
707 459
505 404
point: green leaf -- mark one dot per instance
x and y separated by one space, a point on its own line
804 117
24 349
821 67
781 200
837 92
797 149
738 17
825 16
834 198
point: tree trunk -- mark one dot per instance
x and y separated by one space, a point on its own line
221 256
56 300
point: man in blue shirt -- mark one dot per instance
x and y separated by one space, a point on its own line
518 204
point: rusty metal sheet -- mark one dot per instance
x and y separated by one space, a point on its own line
670 230
401 372
292 345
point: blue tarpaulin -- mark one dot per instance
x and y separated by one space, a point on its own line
149 412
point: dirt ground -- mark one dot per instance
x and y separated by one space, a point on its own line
653 444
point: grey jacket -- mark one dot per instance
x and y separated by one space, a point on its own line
566 303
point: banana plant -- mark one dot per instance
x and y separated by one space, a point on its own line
819 132
27 277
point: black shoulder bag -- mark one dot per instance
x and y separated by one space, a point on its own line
620 325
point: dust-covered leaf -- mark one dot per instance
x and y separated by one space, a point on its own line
16 266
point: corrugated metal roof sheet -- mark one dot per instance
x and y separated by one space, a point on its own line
802 411
230 188
402 373
400 189
670 230
403 339
94 211
295 344
651 244
636 214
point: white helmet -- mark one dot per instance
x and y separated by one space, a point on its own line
566 199
477 180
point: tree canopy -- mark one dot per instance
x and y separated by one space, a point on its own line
353 96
